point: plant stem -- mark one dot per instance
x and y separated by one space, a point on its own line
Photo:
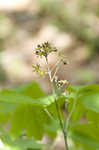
57 107
65 140
55 72
62 126
65 131
57 63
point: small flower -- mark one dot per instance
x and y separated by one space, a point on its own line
61 83
36 68
42 73
44 49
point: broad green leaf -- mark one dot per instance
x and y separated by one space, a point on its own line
33 119
25 144
84 139
16 98
51 129
52 107
90 101
85 134
7 96
20 143
89 88
27 107
74 88
11 98
81 146
72 92
78 111
30 89
88 96
93 117
29 114
4 118
6 107
87 103
90 130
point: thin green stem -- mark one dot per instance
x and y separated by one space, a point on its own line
57 107
61 125
49 72
55 72
65 131
64 116
57 62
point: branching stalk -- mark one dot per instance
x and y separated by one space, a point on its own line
57 107
49 72
61 125
44 50
55 72
58 61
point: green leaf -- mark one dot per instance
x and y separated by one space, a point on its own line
4 118
52 129
93 88
25 144
11 97
72 92
78 146
90 101
74 88
27 109
52 107
6 107
19 143
33 119
86 134
84 140
30 89
89 97
78 112
92 117
15 98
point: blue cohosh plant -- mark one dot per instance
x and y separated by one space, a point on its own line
30 113
58 86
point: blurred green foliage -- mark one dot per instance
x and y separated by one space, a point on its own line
85 76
